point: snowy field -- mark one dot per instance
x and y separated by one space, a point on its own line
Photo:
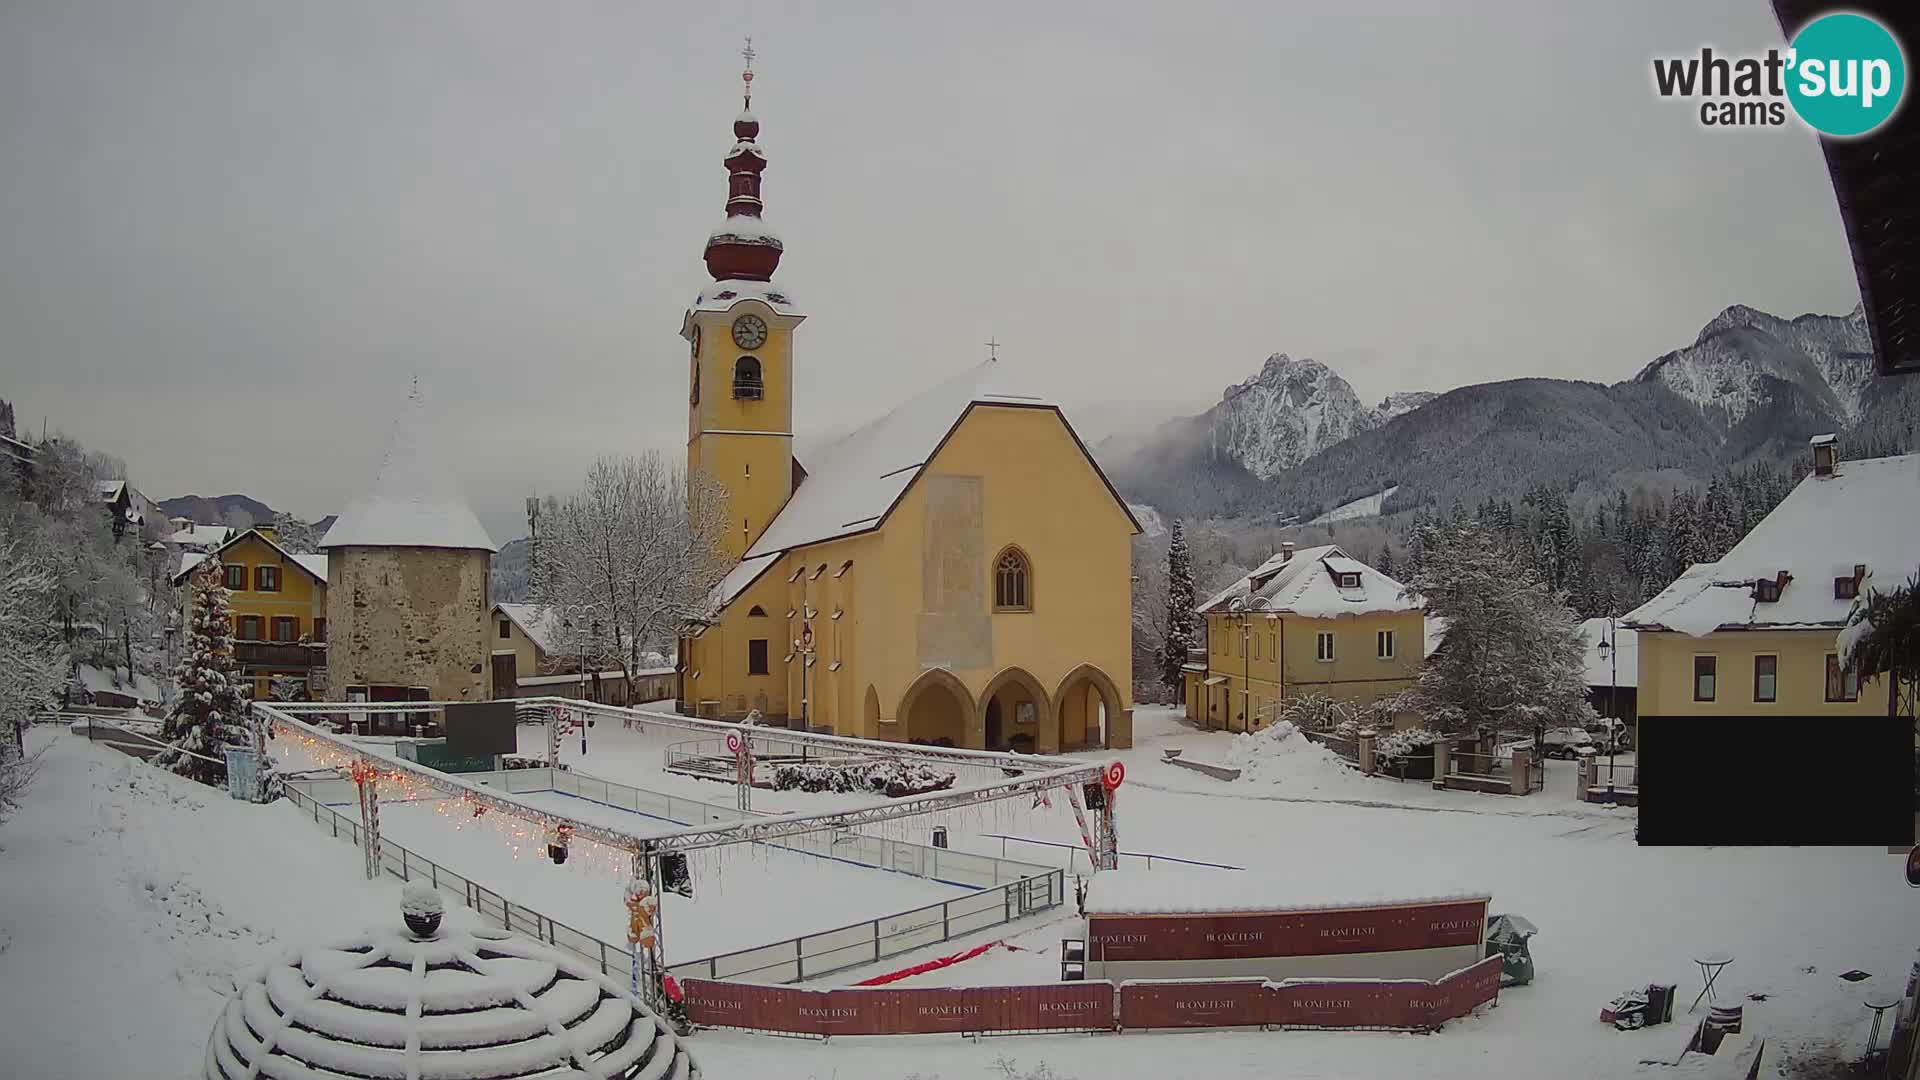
133 897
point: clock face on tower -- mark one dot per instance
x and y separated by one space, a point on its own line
749 332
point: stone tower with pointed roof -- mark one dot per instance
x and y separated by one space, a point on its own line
407 567
958 571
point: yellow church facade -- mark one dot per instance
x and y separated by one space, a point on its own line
955 573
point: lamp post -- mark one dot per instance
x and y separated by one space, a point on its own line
803 648
1609 647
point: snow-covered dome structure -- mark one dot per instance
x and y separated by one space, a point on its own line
459 1003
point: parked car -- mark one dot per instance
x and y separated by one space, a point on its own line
1612 732
1569 742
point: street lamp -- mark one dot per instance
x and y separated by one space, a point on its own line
803 648
1609 648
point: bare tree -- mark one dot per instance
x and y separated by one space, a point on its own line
626 562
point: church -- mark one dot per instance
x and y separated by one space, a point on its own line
955 573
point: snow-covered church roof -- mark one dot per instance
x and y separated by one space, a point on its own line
1307 582
415 501
1866 514
457 1003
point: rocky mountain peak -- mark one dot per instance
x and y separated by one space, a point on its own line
1746 362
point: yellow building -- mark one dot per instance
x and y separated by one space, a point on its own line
1312 621
1756 633
528 659
956 572
279 604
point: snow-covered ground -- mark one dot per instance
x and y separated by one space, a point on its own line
130 898
1364 506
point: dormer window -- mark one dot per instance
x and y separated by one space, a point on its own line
1848 588
1348 581
1767 590
1826 454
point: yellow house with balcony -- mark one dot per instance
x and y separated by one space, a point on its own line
279 606
956 572
1310 621
1756 633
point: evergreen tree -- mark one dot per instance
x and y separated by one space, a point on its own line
1386 560
1180 601
211 714
1513 658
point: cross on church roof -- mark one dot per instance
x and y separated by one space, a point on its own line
746 77
993 349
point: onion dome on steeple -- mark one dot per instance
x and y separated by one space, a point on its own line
744 248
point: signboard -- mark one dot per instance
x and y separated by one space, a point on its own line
481 729
1297 933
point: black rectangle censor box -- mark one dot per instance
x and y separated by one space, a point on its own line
1775 781
481 729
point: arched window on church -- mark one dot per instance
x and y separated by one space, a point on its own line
746 379
1012 581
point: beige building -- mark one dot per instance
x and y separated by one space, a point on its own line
955 572
1757 632
407 569
1309 621
528 658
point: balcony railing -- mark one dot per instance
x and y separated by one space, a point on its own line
748 389
291 654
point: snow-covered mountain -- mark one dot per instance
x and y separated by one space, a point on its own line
1400 404
1286 414
1747 361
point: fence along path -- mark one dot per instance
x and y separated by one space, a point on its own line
1006 889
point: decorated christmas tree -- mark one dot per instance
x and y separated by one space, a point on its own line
210 714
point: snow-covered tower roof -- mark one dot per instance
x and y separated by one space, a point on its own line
456 1003
415 501
744 248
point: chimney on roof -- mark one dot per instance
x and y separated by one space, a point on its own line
1826 454
1286 551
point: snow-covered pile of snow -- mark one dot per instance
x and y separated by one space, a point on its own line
1280 755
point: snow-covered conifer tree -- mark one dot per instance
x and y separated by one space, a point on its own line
1513 657
210 714
1180 601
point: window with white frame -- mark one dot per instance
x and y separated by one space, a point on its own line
1323 645
1383 644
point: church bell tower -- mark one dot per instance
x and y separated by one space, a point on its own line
740 336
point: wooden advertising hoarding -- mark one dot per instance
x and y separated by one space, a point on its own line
1226 936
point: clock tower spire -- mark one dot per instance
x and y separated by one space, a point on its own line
740 393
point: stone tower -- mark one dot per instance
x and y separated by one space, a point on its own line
407 567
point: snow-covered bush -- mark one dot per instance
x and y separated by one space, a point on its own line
891 777
1320 713
33 661
1399 744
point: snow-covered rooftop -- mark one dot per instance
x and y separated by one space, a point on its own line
747 230
540 623
723 294
1600 662
1172 892
459 1003
852 484
200 536
414 502
744 573
1866 514
315 564
1307 583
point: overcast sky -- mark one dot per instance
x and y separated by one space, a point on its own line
231 231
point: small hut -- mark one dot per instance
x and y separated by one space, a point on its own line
450 1003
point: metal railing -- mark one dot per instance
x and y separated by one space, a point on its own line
1010 888
1072 849
1406 766
712 755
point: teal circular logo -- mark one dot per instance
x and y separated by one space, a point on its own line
1846 75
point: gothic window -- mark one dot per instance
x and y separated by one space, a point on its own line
757 612
1012 581
746 379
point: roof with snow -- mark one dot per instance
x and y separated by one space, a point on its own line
1307 582
723 294
205 537
415 501
1362 884
1601 662
853 484
1866 514
540 623
460 1003
747 230
314 564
